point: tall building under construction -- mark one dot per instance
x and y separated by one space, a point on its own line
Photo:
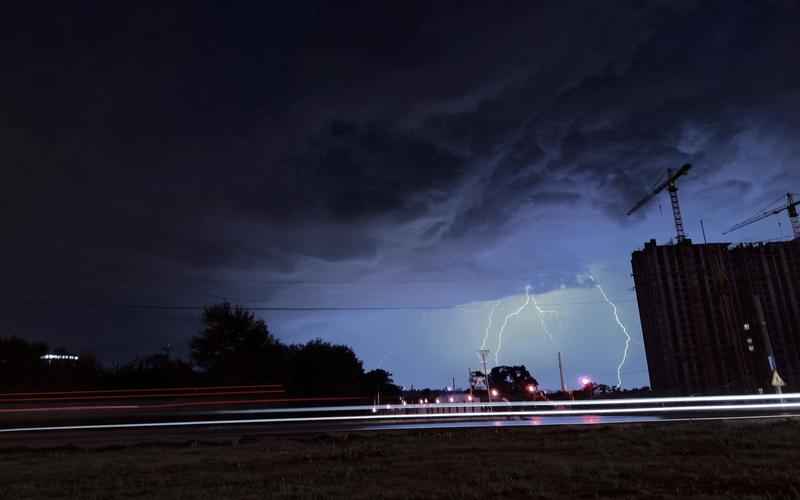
717 319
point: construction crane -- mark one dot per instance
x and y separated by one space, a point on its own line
671 184
791 209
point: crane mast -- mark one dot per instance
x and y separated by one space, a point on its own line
794 219
676 210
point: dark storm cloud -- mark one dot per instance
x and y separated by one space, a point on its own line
354 171
627 121
157 152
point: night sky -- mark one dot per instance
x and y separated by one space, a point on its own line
401 156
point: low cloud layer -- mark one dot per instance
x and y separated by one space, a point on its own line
174 157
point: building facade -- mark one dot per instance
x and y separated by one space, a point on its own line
693 320
768 279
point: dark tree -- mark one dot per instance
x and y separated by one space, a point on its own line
156 370
321 368
20 363
380 381
235 347
512 380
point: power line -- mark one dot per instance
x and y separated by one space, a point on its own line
175 307
169 307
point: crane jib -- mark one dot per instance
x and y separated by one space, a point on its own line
671 178
790 207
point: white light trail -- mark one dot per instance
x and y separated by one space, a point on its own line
505 323
69 408
534 404
489 325
621 326
406 416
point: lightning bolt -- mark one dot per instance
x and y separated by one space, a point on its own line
541 312
489 325
621 326
505 323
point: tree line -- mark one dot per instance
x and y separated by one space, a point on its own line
233 348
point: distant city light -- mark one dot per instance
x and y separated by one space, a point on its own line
50 357
495 393
585 381
531 388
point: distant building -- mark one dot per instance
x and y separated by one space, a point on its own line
700 335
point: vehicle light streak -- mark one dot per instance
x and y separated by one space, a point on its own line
152 389
406 416
142 396
505 323
538 421
535 404
68 408
161 406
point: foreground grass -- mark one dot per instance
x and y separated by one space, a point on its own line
729 460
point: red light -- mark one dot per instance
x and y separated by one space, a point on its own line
531 388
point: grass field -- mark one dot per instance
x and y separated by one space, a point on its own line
665 460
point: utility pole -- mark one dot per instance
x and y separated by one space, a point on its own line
773 366
484 353
561 372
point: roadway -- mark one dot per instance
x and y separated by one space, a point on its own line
240 413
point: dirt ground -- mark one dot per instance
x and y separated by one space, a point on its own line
665 460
